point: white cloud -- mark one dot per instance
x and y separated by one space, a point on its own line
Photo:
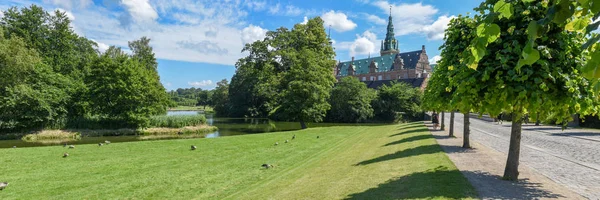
201 83
256 5
436 30
101 46
68 13
140 10
186 18
253 33
291 10
408 18
338 21
305 20
435 59
274 9
364 44
375 19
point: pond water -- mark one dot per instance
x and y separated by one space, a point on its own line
227 127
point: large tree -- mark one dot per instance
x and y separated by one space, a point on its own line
32 95
220 98
350 101
120 89
524 61
143 54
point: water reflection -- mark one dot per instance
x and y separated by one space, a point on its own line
227 127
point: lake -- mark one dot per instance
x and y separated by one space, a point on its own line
227 127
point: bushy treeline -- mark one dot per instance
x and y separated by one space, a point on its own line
288 76
191 97
50 77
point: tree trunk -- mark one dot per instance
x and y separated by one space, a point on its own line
442 127
537 119
452 124
511 172
302 124
466 132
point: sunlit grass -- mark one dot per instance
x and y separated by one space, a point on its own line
177 121
52 136
358 162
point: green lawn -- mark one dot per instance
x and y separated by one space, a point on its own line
365 162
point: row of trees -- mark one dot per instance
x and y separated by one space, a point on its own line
288 76
520 57
50 76
191 97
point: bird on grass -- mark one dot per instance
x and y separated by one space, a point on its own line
14 146
193 147
65 145
3 185
65 155
294 137
286 141
100 144
71 146
267 166
317 137
276 143
107 142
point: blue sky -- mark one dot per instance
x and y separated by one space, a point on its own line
198 42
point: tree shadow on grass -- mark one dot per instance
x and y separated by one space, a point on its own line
491 186
410 139
409 126
434 183
410 131
420 150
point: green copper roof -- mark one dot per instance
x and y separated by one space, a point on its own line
384 63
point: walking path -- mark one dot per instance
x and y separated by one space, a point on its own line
483 167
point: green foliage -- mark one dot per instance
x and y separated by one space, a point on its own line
190 97
397 98
350 101
287 75
31 94
122 88
220 98
176 121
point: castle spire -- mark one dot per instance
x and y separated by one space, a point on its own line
390 45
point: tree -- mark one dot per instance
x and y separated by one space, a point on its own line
397 98
142 53
524 60
308 82
32 96
350 101
220 98
120 89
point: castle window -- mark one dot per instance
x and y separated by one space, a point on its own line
379 77
364 78
372 78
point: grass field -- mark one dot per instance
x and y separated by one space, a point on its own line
364 162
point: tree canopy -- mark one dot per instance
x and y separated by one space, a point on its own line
350 101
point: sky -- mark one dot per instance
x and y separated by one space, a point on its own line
197 42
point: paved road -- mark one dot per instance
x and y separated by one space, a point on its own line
570 157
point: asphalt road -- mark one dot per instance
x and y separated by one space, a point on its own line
570 157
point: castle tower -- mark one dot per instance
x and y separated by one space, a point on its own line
390 44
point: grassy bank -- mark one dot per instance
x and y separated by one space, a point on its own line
366 162
52 136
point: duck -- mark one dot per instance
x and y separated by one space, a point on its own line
107 142
100 144
267 166
317 137
65 145
71 146
286 141
65 155
3 185
14 146
276 143
193 147
294 137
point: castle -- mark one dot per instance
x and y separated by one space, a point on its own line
411 67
